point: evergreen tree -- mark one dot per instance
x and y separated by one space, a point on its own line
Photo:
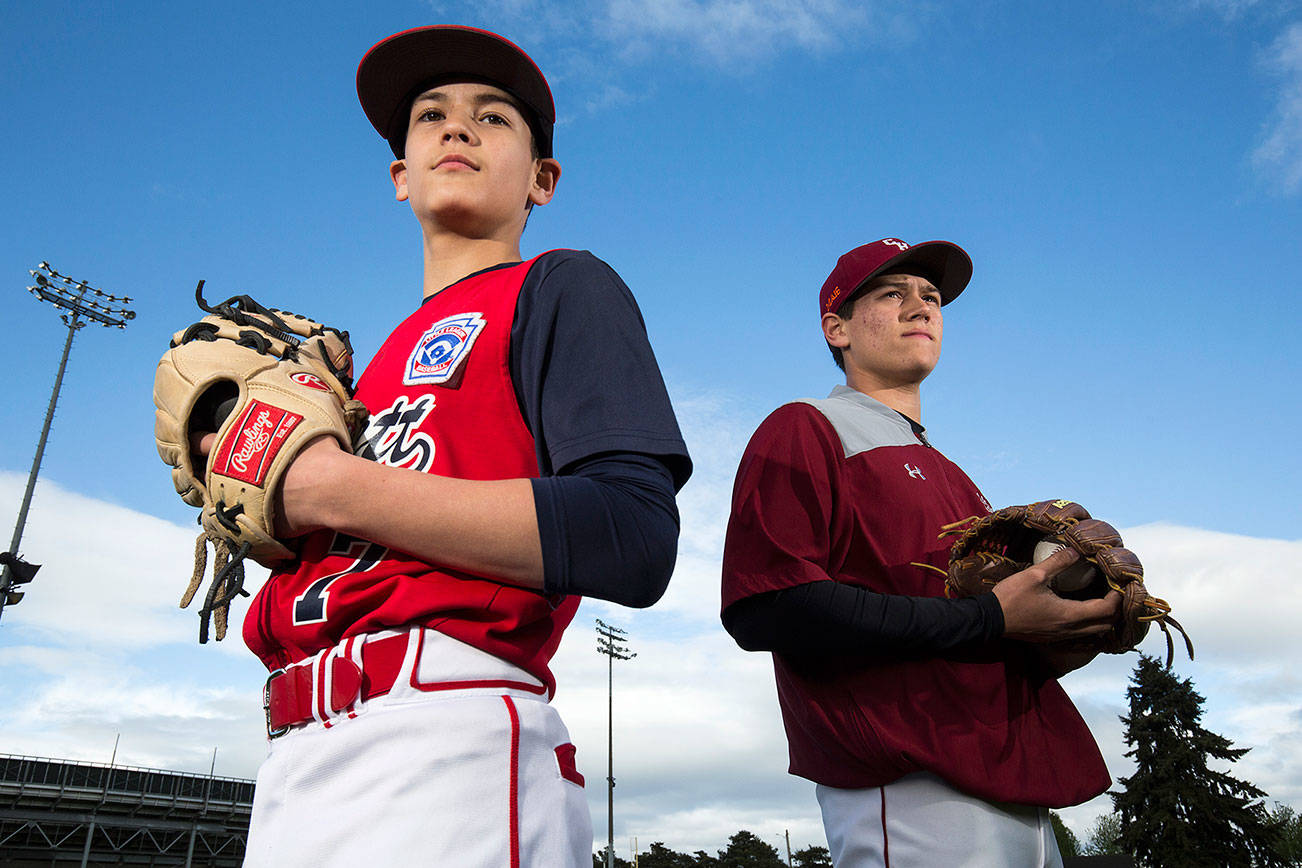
1289 824
1103 836
1068 844
1175 811
599 860
660 856
746 850
812 857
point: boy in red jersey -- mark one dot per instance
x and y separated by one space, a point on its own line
522 452
932 738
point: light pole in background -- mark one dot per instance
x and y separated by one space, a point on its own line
612 642
82 302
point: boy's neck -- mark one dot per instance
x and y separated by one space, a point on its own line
906 399
447 260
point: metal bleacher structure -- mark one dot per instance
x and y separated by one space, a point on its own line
56 813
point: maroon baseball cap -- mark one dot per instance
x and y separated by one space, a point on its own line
391 73
946 265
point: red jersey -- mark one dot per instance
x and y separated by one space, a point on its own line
843 489
441 402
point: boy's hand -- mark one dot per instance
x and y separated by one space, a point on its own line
304 494
1034 613
299 487
1110 610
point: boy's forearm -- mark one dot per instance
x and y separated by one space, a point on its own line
488 528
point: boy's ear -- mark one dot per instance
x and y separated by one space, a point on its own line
398 172
545 178
834 330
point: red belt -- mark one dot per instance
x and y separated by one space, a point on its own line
289 694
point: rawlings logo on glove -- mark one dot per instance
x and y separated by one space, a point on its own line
253 436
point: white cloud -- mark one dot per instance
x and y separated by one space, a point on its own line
1230 10
717 32
716 431
98 646
723 30
168 716
1279 155
170 724
1239 598
109 576
699 746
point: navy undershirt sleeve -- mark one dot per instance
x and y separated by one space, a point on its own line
609 450
830 617
609 529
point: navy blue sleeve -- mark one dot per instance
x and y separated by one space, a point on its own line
829 617
610 453
609 529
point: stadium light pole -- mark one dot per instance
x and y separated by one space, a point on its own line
613 642
82 302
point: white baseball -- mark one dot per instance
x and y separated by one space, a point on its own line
1075 577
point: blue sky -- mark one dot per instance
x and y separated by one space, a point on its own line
1126 177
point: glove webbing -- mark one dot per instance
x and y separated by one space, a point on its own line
239 309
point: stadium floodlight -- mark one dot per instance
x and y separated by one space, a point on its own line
613 642
70 297
18 572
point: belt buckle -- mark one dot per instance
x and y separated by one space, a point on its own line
266 706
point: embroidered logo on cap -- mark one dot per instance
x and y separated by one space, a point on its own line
831 299
442 349
903 245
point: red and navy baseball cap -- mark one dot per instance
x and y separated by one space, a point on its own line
946 265
394 71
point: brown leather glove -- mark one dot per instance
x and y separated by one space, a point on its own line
992 547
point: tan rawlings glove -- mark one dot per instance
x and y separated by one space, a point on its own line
992 547
267 382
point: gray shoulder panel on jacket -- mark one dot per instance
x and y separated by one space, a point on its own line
861 422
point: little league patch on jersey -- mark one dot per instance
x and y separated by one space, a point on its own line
248 451
442 349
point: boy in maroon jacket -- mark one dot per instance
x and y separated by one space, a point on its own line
933 739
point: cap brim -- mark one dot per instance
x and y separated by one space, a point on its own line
946 265
392 70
